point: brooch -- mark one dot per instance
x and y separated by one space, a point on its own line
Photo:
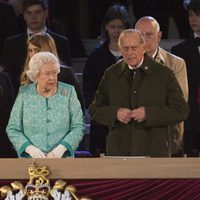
64 92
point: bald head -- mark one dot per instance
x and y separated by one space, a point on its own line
150 29
148 20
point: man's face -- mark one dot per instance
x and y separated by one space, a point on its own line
151 35
131 49
194 20
35 17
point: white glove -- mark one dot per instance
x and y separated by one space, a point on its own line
35 152
57 152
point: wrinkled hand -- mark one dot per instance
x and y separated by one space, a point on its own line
138 114
124 115
57 152
35 152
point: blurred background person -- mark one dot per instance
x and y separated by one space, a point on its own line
107 53
64 19
162 11
150 30
35 13
46 119
17 6
6 102
189 50
8 24
97 11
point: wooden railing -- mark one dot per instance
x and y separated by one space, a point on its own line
105 168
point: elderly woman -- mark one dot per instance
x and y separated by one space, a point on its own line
44 42
46 120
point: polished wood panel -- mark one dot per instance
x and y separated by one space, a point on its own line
105 168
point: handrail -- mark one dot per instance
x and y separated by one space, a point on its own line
105 168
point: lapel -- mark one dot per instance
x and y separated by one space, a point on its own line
193 51
161 56
192 58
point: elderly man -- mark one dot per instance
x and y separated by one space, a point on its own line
150 30
138 99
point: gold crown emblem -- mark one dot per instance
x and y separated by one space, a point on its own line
38 187
37 192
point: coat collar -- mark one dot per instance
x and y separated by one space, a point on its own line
161 56
146 66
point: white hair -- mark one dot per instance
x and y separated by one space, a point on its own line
130 31
38 61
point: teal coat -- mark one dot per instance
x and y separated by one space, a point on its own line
154 87
46 122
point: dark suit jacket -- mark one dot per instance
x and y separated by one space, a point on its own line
6 102
15 50
98 61
189 52
8 24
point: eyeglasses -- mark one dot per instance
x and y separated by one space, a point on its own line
148 35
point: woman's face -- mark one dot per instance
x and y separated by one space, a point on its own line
32 50
114 28
47 77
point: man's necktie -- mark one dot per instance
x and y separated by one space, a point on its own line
135 76
30 34
132 73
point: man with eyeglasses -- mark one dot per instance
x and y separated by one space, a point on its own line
138 99
150 29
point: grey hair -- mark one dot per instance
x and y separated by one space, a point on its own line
38 61
129 32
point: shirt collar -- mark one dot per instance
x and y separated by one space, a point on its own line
195 35
155 54
139 65
160 57
29 32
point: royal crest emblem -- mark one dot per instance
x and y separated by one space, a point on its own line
38 187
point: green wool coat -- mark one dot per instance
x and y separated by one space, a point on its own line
154 87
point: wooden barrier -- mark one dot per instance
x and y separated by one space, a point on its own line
105 168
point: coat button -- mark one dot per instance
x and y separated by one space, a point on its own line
134 92
48 120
